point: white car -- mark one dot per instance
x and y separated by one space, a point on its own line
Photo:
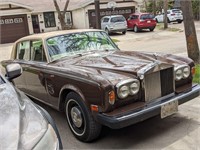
173 15
114 23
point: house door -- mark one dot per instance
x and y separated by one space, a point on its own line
36 25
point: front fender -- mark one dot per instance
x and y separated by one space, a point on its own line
67 89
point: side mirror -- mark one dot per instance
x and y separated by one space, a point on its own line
13 71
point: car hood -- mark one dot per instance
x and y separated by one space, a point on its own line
21 123
116 65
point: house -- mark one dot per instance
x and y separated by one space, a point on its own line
19 18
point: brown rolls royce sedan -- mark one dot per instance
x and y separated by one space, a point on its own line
84 74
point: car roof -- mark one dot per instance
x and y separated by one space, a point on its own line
54 33
140 13
111 16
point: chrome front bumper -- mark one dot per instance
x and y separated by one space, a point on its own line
148 111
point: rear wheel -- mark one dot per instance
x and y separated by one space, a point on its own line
135 29
80 120
151 29
124 32
180 21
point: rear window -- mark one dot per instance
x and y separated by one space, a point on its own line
147 16
118 19
176 11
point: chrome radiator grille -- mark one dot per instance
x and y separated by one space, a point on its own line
158 84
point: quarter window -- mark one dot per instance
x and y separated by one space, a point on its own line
49 19
23 50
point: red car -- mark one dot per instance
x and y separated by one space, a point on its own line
139 21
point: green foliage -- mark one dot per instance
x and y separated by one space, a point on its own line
196 78
196 9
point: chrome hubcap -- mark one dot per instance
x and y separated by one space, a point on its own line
76 117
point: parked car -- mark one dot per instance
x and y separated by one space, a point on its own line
173 15
24 125
139 21
114 23
84 74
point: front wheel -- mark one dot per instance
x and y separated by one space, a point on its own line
151 29
80 120
180 21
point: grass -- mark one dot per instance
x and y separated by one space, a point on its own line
196 78
160 26
115 40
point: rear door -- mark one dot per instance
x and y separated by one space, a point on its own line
132 21
22 57
35 71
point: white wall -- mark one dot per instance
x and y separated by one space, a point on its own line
79 17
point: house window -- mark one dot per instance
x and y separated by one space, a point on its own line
49 19
68 19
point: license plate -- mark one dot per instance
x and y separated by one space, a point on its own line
169 109
148 21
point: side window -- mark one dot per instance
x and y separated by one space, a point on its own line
49 19
134 17
23 50
105 19
37 51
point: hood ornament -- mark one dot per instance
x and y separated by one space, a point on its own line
156 56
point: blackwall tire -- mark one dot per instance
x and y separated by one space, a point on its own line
80 120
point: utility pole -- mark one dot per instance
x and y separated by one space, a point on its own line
97 13
165 14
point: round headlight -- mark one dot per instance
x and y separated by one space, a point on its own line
134 88
123 92
179 74
186 72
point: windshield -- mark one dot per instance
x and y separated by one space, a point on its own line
176 11
78 43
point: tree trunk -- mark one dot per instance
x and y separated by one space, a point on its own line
97 12
165 15
61 15
154 7
190 31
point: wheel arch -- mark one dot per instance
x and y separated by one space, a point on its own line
66 89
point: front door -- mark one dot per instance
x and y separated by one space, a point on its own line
36 24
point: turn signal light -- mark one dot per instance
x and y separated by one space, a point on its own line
112 97
94 108
193 71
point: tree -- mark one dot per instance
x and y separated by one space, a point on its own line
165 15
190 31
61 15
